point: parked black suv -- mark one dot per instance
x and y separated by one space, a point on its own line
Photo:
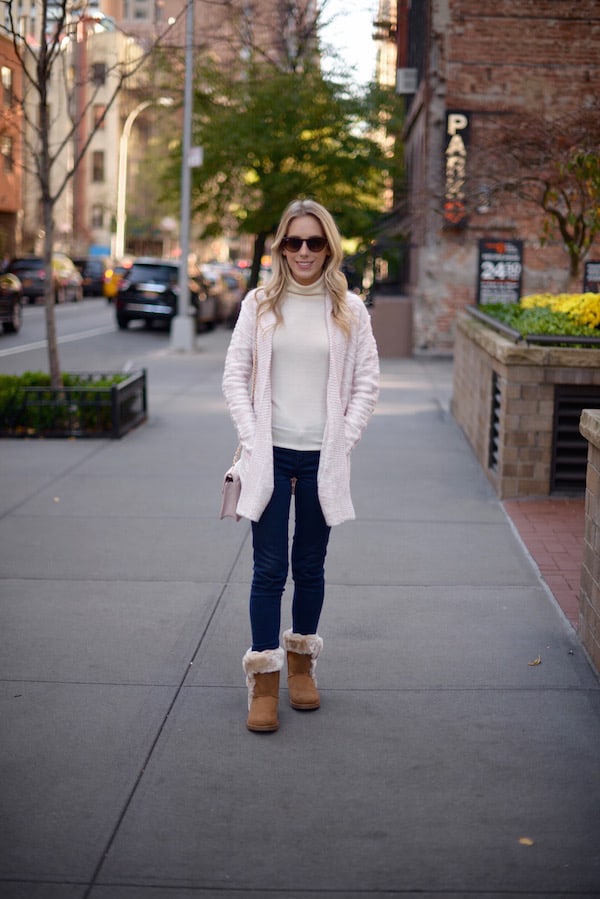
31 272
149 292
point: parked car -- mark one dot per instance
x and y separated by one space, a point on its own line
11 303
228 286
31 272
91 269
149 292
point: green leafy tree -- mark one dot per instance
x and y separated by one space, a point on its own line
286 135
273 133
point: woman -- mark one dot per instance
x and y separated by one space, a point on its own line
301 382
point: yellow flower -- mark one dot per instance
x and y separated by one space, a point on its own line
583 308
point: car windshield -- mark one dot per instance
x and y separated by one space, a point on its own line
26 265
161 274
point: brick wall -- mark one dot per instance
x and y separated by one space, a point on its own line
492 60
526 377
589 597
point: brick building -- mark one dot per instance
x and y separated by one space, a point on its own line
469 69
10 149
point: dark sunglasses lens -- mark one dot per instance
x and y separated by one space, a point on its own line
314 244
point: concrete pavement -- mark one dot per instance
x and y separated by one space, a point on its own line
441 762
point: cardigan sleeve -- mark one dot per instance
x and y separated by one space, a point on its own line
364 390
237 375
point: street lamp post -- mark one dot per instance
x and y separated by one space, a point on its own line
182 326
122 176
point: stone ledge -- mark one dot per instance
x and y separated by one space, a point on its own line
509 353
589 426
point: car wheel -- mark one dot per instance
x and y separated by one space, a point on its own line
14 325
122 322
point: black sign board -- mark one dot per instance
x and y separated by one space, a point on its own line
500 270
591 277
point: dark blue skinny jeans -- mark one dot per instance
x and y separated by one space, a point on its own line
271 551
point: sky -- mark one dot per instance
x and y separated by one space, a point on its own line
351 35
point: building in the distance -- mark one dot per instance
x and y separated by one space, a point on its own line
10 150
470 70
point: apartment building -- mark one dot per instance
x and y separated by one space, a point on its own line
10 150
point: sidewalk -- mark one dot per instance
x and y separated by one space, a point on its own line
441 764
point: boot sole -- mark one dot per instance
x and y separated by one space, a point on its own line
265 729
305 708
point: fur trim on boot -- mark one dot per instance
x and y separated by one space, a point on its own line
262 679
303 650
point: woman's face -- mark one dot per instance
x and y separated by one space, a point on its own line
305 265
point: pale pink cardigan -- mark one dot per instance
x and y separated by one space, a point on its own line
352 391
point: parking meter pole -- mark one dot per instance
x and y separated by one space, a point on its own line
182 326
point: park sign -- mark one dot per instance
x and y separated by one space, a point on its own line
455 152
500 270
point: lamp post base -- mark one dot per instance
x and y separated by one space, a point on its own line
183 336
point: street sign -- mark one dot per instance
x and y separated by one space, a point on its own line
591 277
500 270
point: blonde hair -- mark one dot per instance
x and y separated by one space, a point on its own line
335 282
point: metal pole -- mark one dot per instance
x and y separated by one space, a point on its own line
182 326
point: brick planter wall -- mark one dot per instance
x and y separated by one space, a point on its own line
503 399
589 597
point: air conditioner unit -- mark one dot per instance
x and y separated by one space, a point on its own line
406 81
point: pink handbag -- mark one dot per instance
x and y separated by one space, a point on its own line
230 494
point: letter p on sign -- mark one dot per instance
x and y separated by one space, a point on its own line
457 122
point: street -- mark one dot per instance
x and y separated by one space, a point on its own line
88 339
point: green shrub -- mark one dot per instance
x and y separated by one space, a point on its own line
537 320
72 408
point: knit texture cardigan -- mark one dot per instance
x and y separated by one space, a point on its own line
352 391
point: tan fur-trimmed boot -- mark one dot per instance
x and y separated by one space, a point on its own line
262 679
303 650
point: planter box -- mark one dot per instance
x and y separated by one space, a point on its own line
519 407
88 410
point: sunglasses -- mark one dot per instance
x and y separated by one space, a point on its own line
294 244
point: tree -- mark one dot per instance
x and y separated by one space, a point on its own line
273 127
58 96
553 164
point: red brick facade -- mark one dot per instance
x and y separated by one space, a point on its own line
10 157
499 63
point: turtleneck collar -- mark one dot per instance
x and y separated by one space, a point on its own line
316 289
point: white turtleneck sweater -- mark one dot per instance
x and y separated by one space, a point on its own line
299 368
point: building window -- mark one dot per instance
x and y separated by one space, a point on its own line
99 73
7 85
97 217
6 149
98 165
97 112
